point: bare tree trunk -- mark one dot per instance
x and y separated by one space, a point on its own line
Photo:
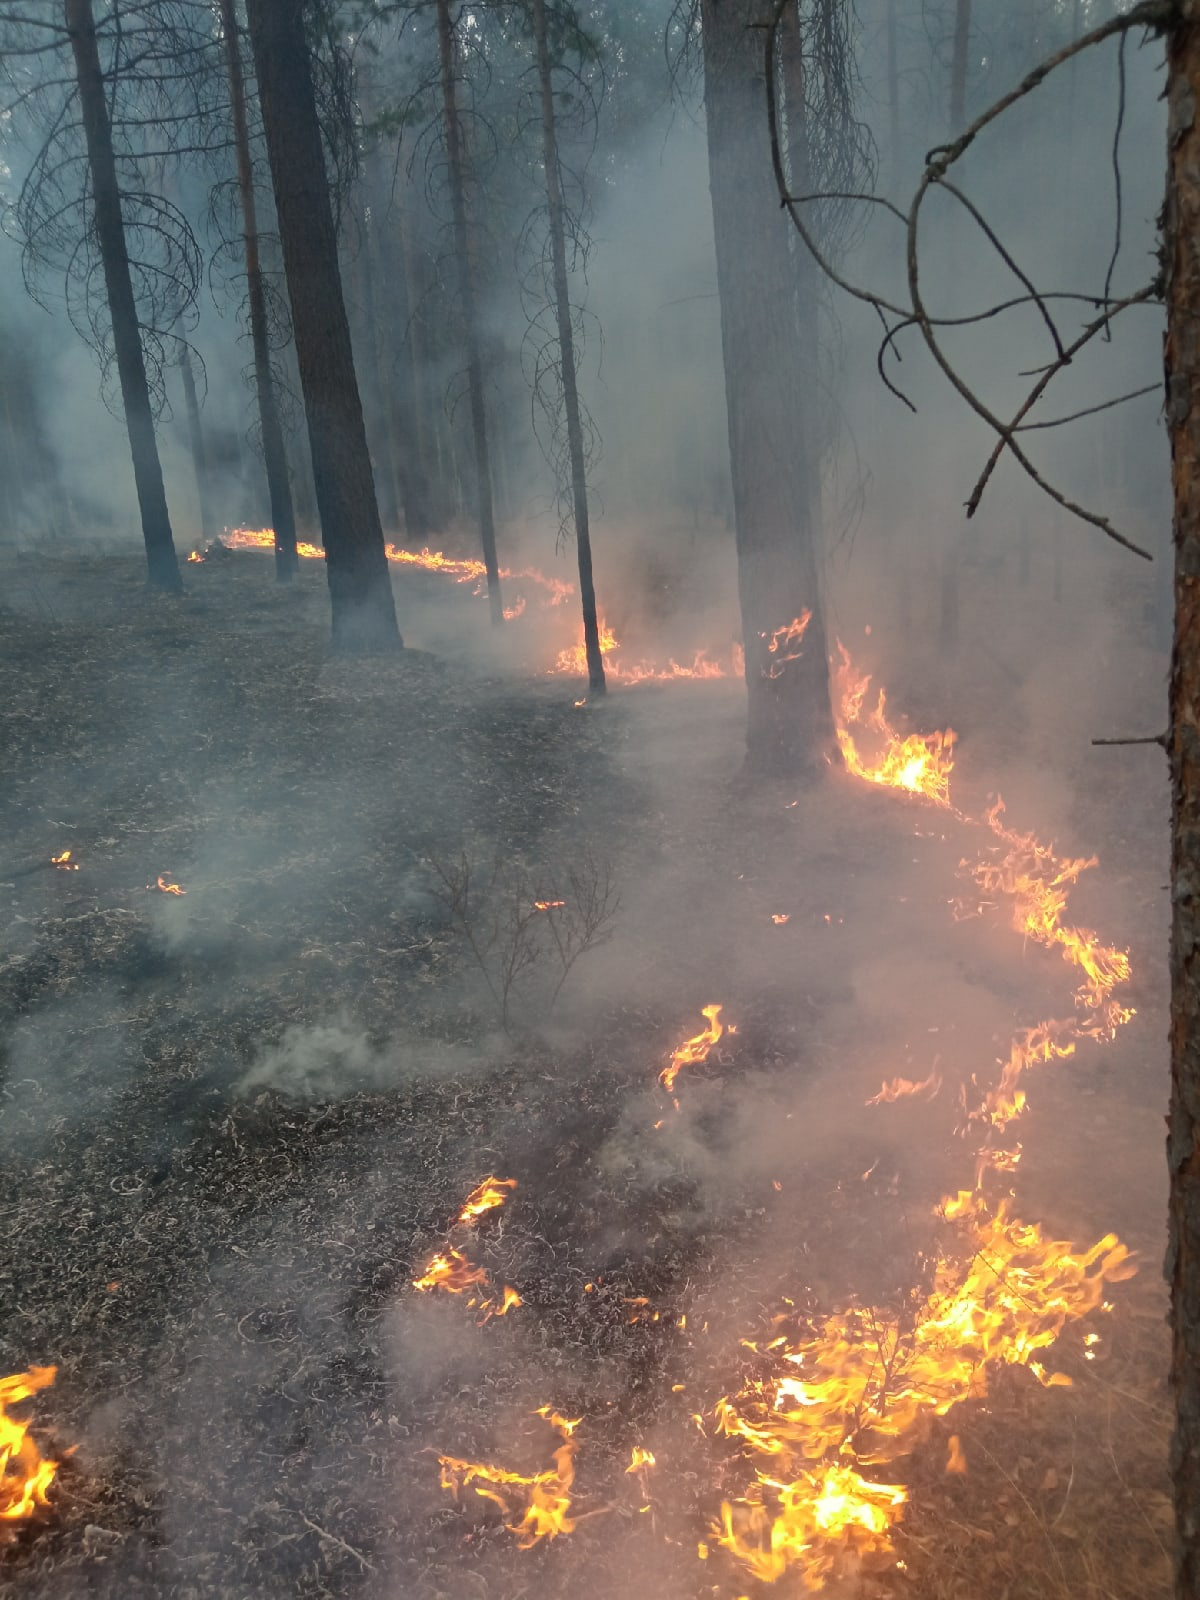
162 566
958 66
1181 256
566 344
283 518
771 394
383 430
360 587
462 249
196 438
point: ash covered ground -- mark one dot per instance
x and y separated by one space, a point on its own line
235 1123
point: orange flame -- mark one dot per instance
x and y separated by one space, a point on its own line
167 886
693 1051
64 863
195 555
785 644
548 905
486 1196
640 1459
449 1269
25 1475
780 917
918 762
901 1088
535 1505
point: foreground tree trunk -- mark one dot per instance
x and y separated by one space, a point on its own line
1181 257
162 566
566 344
283 516
771 395
466 293
196 439
360 588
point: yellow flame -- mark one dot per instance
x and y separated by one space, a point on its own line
25 1475
694 1050
920 763
535 1505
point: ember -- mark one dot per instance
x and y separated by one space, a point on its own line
25 1475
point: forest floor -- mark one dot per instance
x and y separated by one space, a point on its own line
236 1122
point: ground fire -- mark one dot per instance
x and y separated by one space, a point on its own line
25 1474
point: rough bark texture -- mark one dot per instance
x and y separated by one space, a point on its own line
566 344
771 395
162 566
196 438
466 292
283 517
1182 261
364 613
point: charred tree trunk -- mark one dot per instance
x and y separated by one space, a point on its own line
283 517
196 438
1181 256
771 396
162 566
566 344
360 587
466 278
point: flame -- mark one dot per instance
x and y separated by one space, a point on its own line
486 1196
517 609
195 555
167 886
784 644
461 570
780 917
640 1459
449 1269
956 1461
850 1394
535 1505
693 1051
902 1088
548 905
919 762
64 863
627 674
25 1476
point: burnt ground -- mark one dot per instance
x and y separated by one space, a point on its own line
235 1123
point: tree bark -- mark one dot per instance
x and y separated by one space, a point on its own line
1181 256
196 438
771 393
566 344
360 588
161 564
283 516
466 280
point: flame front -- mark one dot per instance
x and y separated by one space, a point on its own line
903 1088
25 1475
535 1505
919 762
693 1051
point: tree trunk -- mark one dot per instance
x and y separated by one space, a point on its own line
360 587
771 393
283 517
1181 256
383 430
566 344
958 66
196 438
162 566
466 279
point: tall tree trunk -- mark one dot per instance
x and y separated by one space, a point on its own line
423 502
466 278
958 66
162 566
382 431
1181 257
360 586
283 517
566 344
196 439
771 397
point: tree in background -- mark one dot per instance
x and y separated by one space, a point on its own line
364 613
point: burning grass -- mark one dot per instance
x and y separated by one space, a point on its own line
261 1380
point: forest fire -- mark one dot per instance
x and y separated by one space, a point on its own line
25 1475
535 1505
695 1050
919 763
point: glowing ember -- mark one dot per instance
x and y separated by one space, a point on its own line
693 1051
780 917
64 863
25 1475
486 1196
919 762
166 886
535 1505
784 644
901 1088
